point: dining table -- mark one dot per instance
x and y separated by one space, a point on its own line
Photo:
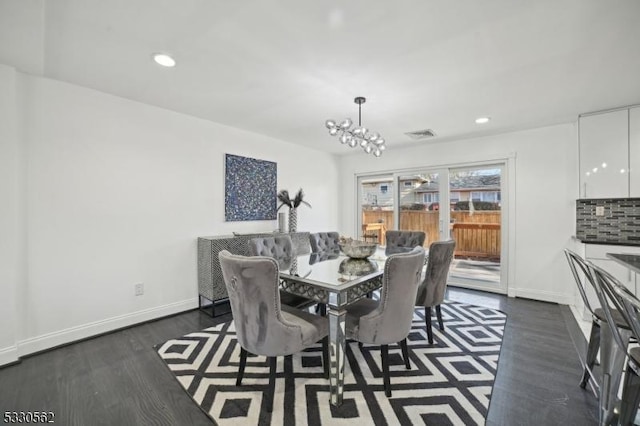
337 281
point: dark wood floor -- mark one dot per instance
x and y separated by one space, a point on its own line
118 379
539 368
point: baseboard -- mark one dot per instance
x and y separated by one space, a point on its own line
57 338
545 296
8 355
472 286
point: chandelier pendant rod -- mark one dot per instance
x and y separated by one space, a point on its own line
360 100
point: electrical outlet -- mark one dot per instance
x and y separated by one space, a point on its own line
139 289
599 210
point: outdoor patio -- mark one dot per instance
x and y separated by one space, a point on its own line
479 270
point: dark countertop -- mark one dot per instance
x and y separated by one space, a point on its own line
610 243
631 261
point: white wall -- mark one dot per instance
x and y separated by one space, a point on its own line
12 210
546 184
118 192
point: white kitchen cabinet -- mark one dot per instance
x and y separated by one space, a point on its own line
634 152
604 155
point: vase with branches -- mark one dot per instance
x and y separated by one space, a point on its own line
293 204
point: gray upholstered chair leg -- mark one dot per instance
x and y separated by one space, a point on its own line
384 350
439 315
592 353
630 397
272 383
405 353
243 363
427 320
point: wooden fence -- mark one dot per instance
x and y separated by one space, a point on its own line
477 235
477 240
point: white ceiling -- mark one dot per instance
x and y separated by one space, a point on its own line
281 68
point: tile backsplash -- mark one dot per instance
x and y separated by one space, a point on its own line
620 223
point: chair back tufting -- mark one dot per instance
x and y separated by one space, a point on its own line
433 287
391 320
279 248
324 242
403 241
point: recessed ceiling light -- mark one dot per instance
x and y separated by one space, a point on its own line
164 60
482 120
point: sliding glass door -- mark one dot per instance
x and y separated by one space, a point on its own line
461 203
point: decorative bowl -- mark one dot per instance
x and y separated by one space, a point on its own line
357 267
358 249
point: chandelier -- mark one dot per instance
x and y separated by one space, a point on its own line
371 142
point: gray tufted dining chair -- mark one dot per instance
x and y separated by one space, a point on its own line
263 326
403 241
279 248
324 242
388 320
431 291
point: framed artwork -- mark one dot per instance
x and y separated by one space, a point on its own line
250 188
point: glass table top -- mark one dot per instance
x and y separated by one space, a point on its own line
334 271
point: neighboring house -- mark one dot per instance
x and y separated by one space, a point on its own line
379 194
464 188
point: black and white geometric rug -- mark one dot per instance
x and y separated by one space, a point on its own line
449 382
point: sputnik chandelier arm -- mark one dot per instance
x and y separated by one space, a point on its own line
371 142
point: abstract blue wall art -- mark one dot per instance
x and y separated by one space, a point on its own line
250 189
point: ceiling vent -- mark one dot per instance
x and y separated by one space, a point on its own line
421 134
